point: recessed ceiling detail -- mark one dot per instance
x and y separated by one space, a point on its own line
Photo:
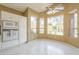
39 7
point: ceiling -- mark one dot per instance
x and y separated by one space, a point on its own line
39 7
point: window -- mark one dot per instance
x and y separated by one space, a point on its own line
55 25
41 25
33 24
73 25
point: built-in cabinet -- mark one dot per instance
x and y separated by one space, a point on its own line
13 29
22 29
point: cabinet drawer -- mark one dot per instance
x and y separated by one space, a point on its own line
9 44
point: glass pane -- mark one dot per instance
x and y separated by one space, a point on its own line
75 20
41 25
73 25
33 23
33 30
55 25
60 25
75 33
41 22
41 30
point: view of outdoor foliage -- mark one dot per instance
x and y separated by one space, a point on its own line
55 25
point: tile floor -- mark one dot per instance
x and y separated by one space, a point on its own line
42 47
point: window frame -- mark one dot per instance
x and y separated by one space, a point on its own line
74 28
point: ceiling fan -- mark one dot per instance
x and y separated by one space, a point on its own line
55 10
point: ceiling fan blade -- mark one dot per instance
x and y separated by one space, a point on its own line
59 8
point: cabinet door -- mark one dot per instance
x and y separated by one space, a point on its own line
22 29
10 44
4 15
0 45
9 16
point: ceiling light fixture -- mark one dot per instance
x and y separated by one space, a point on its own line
55 10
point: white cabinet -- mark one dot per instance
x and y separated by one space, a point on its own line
9 16
9 44
10 35
10 25
0 45
22 29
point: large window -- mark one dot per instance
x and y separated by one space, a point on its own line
73 24
33 24
55 25
41 25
